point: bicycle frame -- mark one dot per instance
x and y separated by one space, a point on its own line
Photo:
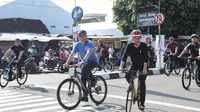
75 75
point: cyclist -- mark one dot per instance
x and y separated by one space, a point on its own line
102 51
18 50
193 49
172 47
138 53
88 56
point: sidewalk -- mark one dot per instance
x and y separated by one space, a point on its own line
118 74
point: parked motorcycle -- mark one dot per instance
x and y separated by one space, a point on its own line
51 63
30 65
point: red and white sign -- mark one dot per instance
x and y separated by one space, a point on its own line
159 18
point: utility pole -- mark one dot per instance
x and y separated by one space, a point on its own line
159 26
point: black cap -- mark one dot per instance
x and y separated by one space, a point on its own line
17 40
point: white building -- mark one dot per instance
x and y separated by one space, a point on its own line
56 14
56 19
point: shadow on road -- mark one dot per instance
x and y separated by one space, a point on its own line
153 110
194 90
106 107
151 92
30 87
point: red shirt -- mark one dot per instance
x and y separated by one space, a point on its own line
172 47
62 56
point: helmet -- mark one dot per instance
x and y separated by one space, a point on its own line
82 33
194 35
136 33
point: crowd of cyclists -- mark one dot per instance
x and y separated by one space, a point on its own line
90 56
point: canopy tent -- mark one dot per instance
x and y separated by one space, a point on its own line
30 37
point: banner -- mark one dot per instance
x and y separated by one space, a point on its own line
76 29
147 38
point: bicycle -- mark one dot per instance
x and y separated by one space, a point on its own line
75 85
133 94
190 72
11 72
170 66
107 66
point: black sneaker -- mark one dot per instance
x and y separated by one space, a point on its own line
142 107
85 99
93 83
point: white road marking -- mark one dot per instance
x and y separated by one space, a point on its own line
147 101
43 109
25 102
18 99
7 94
14 96
28 106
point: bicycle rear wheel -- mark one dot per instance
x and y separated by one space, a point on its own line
167 68
22 80
186 79
4 79
67 90
98 93
177 69
109 66
129 100
197 78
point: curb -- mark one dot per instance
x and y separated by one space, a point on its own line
117 75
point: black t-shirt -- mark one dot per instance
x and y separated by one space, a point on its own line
17 49
193 49
139 55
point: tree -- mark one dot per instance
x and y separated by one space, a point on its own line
123 10
182 17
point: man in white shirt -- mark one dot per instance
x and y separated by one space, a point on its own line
111 52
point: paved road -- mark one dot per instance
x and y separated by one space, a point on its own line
164 94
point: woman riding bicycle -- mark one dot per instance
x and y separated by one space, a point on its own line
193 49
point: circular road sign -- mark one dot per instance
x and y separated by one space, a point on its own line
159 18
77 13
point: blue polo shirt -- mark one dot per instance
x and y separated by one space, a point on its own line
82 50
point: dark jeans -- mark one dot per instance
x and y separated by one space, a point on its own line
18 68
142 79
86 72
174 60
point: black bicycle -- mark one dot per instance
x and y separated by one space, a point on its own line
11 72
190 72
71 89
108 66
133 93
170 66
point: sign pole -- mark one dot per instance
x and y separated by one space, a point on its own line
159 32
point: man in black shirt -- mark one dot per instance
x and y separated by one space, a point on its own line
138 52
18 50
193 49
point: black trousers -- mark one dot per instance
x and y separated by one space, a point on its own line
142 79
18 68
86 72
198 64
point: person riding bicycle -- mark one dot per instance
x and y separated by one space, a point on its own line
18 50
102 51
193 49
138 53
172 48
88 56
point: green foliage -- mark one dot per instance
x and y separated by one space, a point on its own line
182 17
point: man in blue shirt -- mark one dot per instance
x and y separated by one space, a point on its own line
89 58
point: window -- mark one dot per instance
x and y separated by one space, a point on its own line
66 26
53 26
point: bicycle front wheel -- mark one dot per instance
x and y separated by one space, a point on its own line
109 66
4 78
167 68
98 93
129 100
177 69
22 80
186 79
69 94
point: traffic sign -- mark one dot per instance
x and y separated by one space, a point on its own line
77 13
159 18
